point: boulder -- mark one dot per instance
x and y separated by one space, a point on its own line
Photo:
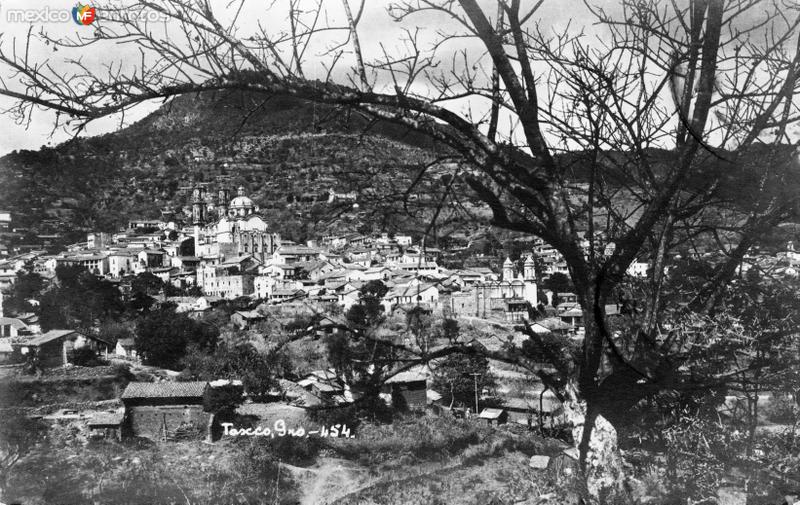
539 462
604 471
731 496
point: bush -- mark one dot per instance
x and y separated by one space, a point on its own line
297 451
422 438
780 409
85 356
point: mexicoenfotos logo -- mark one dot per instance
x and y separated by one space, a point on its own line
83 14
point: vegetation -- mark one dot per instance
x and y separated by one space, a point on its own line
163 337
669 136
240 361
461 379
18 436
78 300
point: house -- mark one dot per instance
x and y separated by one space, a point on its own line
126 348
573 317
192 303
409 389
54 348
494 417
414 293
289 254
330 325
284 295
162 410
151 258
11 327
317 376
232 278
31 320
163 273
328 391
185 262
528 409
550 325
325 385
107 424
95 263
638 269
6 350
5 220
122 262
245 318
567 297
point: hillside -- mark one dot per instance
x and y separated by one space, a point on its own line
288 154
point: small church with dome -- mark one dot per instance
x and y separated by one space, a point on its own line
509 298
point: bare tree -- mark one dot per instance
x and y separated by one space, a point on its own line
618 145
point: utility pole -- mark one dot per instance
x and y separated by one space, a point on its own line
475 376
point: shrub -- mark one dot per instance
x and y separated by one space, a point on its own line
780 409
298 451
85 356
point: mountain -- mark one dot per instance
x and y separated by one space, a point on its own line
287 153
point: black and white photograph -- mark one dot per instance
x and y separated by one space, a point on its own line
400 252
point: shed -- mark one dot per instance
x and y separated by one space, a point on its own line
244 318
126 347
108 424
409 389
494 416
165 410
54 348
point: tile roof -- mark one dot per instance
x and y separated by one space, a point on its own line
251 314
416 374
552 323
13 321
297 249
164 389
490 413
48 337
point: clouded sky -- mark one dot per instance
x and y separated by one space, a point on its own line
53 16
377 31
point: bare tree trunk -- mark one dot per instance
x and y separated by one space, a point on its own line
210 428
586 435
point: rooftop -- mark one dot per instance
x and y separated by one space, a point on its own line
164 390
490 413
48 337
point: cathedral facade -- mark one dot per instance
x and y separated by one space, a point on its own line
231 228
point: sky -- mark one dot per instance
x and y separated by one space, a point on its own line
53 16
377 31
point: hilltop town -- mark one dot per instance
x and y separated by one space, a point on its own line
222 263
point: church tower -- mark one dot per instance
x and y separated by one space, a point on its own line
529 269
222 203
531 289
508 270
198 206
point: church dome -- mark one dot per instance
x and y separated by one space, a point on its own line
241 201
241 205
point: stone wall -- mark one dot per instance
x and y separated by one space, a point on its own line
149 421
